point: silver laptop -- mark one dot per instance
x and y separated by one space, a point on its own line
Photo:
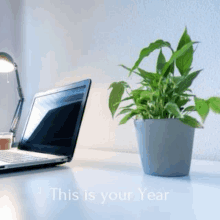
51 130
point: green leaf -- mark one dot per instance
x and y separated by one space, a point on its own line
141 108
128 106
184 62
182 102
161 60
186 82
136 93
112 85
170 69
189 90
177 79
145 94
150 79
187 71
191 121
148 50
128 116
127 98
143 85
173 109
129 69
148 75
125 84
187 95
202 108
190 108
214 104
124 111
115 96
175 56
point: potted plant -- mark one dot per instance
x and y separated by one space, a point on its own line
164 128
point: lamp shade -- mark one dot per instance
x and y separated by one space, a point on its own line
6 63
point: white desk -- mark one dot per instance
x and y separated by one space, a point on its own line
35 194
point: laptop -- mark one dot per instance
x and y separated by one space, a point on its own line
51 130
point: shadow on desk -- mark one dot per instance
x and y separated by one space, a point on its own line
32 170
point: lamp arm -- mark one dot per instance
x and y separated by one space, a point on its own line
18 82
18 110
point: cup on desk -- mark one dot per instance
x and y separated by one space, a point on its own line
6 140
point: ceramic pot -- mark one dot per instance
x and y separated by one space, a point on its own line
165 146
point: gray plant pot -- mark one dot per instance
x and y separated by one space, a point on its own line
165 146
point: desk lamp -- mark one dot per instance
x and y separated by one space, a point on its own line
8 65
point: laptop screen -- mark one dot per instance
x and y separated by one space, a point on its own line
54 121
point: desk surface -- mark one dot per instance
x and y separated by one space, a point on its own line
108 185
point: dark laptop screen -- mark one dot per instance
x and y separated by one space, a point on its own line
53 121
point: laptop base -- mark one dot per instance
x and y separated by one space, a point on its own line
31 167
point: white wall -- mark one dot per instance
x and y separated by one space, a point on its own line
8 92
66 41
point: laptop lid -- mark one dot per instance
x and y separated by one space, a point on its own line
54 120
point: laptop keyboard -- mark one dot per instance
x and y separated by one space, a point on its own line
13 157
